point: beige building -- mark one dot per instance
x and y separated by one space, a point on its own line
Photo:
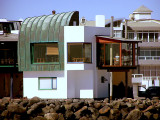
140 26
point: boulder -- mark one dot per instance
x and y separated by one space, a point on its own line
134 115
34 100
104 110
16 108
79 112
51 116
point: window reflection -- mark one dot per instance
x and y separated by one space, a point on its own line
80 52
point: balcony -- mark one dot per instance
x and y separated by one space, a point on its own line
149 60
116 54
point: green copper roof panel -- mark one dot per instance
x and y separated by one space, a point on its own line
34 28
43 29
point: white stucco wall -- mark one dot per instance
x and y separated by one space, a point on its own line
30 84
80 84
82 75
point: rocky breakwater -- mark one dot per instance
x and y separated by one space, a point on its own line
79 109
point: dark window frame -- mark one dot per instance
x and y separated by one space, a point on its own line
82 51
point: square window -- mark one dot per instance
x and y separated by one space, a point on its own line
47 83
45 52
80 52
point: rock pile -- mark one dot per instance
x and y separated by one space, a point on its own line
79 109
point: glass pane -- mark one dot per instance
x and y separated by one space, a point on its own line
145 37
107 54
54 83
45 83
45 52
116 54
153 53
151 37
147 53
87 52
126 54
79 52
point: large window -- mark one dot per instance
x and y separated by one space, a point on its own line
153 54
45 52
47 83
80 52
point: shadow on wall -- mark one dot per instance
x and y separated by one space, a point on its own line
119 91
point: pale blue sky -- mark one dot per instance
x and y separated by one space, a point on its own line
15 9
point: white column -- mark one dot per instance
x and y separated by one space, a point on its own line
135 35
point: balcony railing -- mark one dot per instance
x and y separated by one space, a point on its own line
149 57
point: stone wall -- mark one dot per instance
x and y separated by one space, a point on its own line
79 109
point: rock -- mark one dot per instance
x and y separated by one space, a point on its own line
68 106
84 118
46 110
39 118
6 100
79 112
147 114
75 100
17 117
104 110
69 114
134 115
97 105
16 108
2 107
60 116
4 113
34 100
94 112
130 105
124 112
155 116
103 118
114 111
76 106
116 104
106 100
51 116
69 101
24 103
149 108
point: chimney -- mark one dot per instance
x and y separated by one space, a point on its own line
111 27
126 24
53 12
100 21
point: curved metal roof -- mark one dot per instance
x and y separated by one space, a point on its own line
47 28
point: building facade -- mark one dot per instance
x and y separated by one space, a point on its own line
141 26
11 79
60 59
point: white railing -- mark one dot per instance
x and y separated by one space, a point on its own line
149 57
137 75
152 78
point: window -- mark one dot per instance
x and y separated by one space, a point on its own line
47 83
45 52
80 52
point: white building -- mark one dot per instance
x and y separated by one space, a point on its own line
60 59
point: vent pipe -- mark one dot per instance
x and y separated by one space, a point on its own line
111 27
100 21
53 12
126 24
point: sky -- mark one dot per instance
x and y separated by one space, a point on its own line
16 9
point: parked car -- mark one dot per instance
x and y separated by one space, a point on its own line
153 91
